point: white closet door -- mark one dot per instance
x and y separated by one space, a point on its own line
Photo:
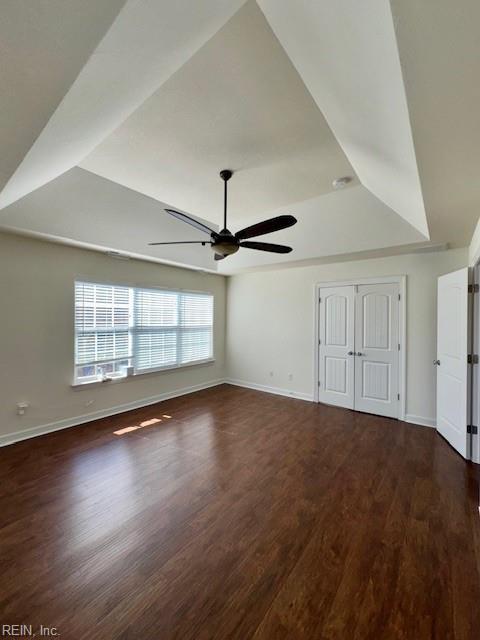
376 346
452 353
336 349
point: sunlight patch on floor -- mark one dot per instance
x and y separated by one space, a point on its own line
135 427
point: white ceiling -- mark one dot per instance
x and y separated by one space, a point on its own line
84 209
334 224
146 43
238 103
440 54
43 46
346 53
159 96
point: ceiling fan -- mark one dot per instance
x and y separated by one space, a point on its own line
224 243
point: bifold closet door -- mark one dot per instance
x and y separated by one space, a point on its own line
377 349
359 348
336 349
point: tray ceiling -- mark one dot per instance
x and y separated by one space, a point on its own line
144 102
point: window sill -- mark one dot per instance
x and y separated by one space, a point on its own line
109 381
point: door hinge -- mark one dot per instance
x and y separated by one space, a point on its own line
319 383
473 288
473 429
399 297
319 342
399 346
398 396
319 300
472 359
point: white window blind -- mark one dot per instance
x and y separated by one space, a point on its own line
196 314
120 330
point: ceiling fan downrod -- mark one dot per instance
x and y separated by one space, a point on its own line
225 175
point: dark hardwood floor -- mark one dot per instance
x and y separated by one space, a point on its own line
236 514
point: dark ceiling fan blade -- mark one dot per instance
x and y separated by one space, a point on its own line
219 257
267 226
266 246
204 242
195 223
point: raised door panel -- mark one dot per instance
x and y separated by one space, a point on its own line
336 360
336 374
376 380
376 343
336 320
376 321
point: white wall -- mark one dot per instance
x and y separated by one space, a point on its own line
270 323
269 328
37 335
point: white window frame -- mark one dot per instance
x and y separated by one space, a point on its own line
132 372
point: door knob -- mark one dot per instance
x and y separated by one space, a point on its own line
351 353
359 353
436 362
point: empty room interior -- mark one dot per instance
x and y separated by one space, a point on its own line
240 319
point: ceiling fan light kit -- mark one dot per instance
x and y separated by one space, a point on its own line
224 243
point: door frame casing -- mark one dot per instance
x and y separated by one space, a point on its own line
402 330
475 373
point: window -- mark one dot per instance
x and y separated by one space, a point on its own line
121 331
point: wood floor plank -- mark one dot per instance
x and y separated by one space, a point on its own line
233 514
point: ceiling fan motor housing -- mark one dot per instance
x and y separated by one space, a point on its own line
225 243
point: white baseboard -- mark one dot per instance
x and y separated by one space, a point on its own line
412 419
33 432
420 420
275 390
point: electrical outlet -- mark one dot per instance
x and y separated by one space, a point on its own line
21 408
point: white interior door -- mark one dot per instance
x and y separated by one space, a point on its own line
451 362
336 348
377 349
